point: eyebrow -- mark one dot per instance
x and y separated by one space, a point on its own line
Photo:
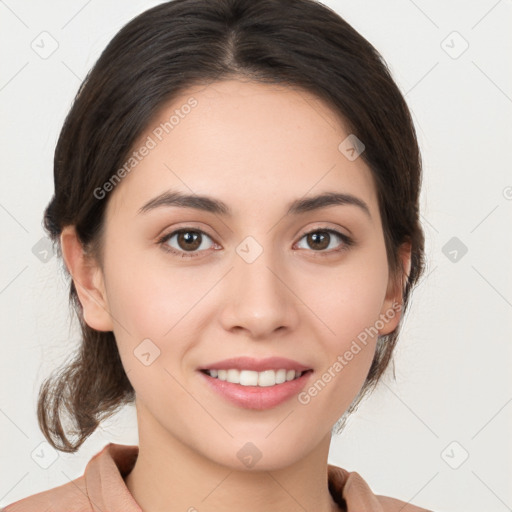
209 204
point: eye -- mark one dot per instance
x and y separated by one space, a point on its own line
191 242
188 241
321 239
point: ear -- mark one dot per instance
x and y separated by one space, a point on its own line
88 279
391 311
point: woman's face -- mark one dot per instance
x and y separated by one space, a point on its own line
248 283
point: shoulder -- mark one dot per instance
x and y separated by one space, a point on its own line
352 492
68 497
100 488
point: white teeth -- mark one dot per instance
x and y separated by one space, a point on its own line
247 378
251 378
233 376
281 376
267 378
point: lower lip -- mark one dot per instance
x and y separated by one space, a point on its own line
256 397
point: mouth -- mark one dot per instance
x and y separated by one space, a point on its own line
257 384
266 378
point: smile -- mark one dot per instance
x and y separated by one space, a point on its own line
265 378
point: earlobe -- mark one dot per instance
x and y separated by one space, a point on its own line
391 311
88 279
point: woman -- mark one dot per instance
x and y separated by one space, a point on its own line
236 202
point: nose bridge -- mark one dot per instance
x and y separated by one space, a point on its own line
259 300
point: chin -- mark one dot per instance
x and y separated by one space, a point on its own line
259 453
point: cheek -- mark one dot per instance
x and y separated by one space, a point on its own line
349 310
146 296
151 301
349 300
349 306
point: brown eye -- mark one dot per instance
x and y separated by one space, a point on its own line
321 239
187 242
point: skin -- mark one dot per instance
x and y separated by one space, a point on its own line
256 147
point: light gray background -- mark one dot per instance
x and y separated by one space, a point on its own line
452 395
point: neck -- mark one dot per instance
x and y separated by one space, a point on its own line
170 476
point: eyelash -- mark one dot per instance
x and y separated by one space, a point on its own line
162 241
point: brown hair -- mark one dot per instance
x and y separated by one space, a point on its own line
155 57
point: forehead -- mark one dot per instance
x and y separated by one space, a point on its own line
246 143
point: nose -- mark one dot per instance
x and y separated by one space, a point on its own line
259 298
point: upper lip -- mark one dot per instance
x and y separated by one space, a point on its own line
257 365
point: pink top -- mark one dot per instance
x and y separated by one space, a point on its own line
102 489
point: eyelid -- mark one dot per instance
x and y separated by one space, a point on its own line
325 227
